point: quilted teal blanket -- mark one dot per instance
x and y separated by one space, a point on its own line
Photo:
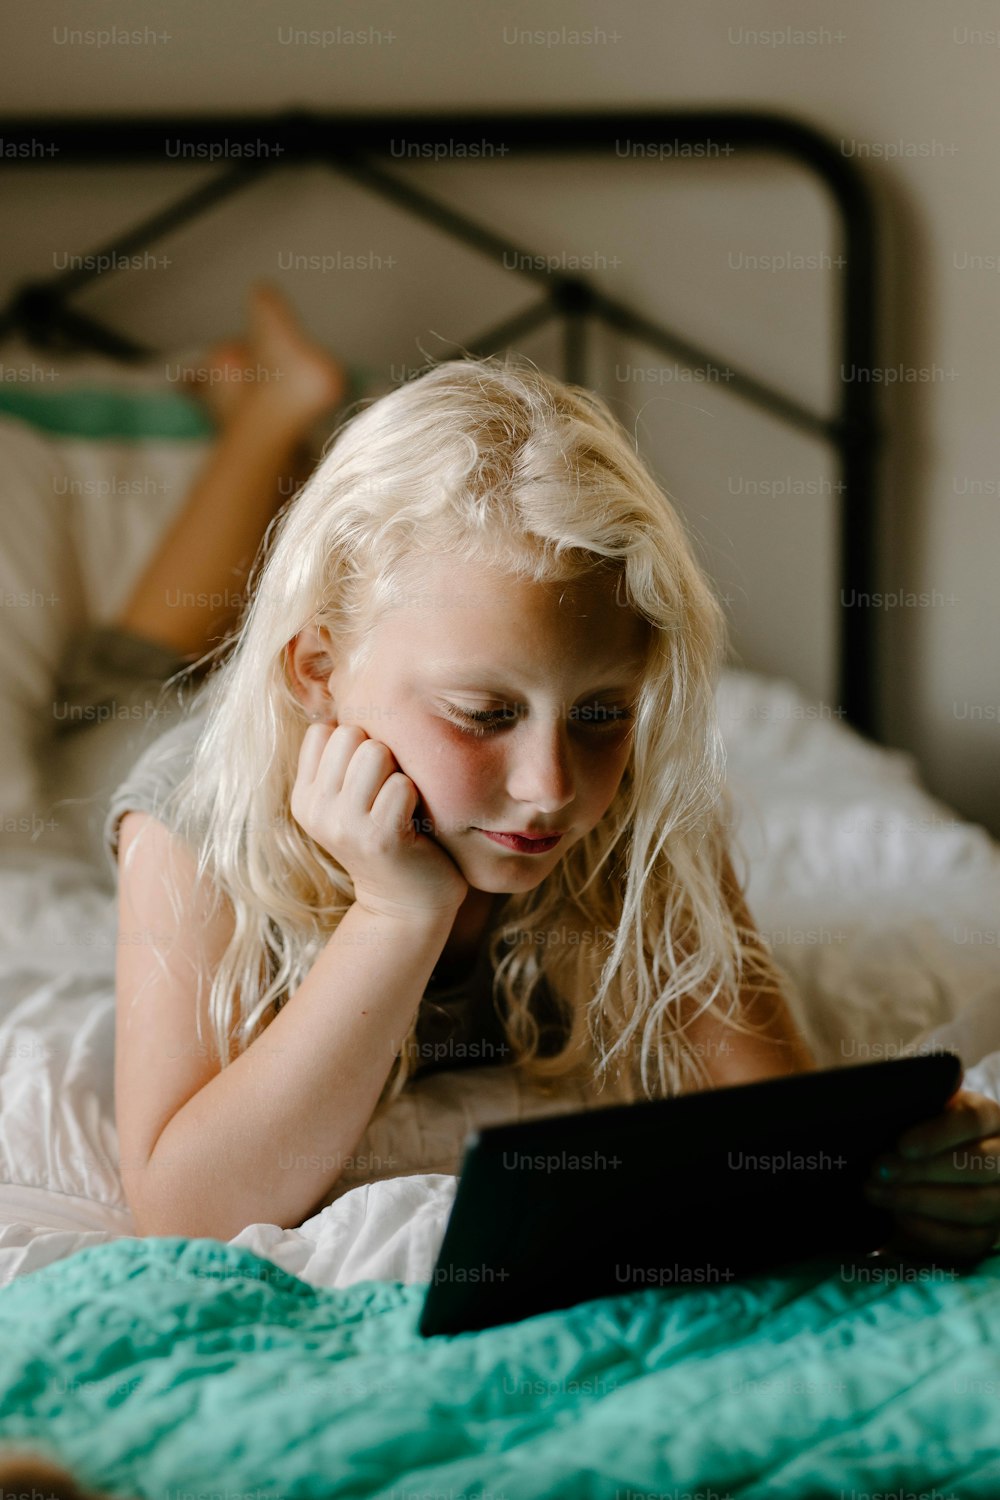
178 1367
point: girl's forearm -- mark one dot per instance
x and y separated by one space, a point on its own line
267 1138
194 581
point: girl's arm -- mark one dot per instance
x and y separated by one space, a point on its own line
731 1056
207 1150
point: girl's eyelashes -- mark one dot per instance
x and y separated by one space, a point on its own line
485 721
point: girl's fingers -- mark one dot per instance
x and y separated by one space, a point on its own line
342 768
971 1162
927 1237
368 773
966 1117
314 742
393 806
947 1203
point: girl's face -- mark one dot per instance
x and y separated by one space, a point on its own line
552 673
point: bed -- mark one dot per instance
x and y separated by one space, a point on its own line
286 1362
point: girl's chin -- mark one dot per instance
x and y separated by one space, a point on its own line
507 872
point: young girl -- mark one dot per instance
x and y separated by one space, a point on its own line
469 708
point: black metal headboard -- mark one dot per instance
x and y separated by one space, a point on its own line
358 145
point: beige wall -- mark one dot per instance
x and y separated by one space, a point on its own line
915 79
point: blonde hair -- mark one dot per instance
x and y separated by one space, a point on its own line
487 461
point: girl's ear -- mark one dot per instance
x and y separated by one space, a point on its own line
310 665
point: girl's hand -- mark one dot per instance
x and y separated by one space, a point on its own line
945 1194
352 798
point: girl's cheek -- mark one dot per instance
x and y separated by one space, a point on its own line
607 789
457 774
465 771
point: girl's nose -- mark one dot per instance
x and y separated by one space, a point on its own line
541 768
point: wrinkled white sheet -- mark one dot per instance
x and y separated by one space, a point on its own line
882 906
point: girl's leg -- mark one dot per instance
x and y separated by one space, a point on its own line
191 591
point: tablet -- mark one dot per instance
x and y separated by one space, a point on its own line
691 1191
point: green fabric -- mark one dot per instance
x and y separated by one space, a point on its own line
177 1366
109 415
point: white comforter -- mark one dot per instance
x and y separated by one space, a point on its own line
881 905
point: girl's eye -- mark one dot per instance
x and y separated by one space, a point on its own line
481 722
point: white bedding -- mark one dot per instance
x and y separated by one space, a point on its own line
882 907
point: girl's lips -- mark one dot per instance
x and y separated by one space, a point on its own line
523 845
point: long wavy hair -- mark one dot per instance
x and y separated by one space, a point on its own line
632 934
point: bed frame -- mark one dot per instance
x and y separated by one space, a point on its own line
358 146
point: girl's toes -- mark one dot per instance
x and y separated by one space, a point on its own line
222 383
306 377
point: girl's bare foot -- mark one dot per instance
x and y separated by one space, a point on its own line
220 378
276 362
305 380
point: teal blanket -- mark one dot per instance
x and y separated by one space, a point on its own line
177 1367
